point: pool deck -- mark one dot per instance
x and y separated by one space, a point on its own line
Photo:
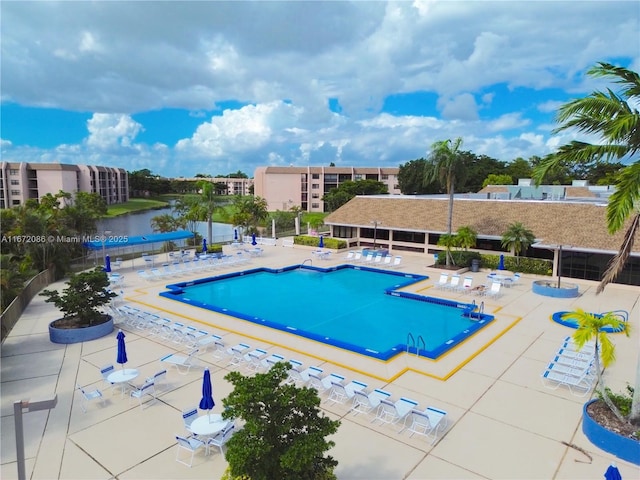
502 422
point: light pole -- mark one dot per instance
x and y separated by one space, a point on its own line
375 224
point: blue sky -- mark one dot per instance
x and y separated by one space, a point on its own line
214 87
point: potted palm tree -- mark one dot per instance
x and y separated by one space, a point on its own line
80 301
597 419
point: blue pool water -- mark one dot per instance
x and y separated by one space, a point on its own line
358 309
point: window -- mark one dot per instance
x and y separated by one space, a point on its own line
315 186
315 195
15 192
15 182
357 176
13 171
384 176
315 205
315 176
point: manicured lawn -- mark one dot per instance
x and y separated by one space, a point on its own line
134 205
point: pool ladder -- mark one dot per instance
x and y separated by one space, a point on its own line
480 309
411 343
307 260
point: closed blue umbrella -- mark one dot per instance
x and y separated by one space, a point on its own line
612 473
207 402
107 264
501 263
253 239
235 234
122 350
321 242
204 245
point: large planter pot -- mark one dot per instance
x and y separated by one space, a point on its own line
549 289
622 447
77 335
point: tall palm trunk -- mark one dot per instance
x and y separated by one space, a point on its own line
449 258
601 388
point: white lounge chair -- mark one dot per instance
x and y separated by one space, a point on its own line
254 359
190 444
237 353
577 385
342 393
394 412
397 260
454 283
386 261
443 281
88 396
271 360
324 384
494 291
349 255
183 363
428 423
466 285
367 403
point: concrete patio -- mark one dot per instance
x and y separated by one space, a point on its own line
503 423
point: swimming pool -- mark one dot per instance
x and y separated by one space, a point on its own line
356 308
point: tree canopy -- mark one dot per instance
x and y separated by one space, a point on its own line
284 429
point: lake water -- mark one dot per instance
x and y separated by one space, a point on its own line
135 224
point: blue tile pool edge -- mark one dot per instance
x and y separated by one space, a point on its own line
480 319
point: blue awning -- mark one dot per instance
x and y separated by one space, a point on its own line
115 241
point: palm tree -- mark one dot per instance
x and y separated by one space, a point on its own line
616 120
206 206
590 327
445 164
518 239
466 237
448 242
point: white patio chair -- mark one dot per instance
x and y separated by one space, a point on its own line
386 261
191 445
139 393
88 396
188 416
105 371
428 423
183 363
222 438
159 379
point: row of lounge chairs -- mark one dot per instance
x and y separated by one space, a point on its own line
429 422
187 267
452 283
571 368
389 261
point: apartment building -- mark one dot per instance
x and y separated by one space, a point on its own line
286 187
22 181
225 185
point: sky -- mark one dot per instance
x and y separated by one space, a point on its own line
193 87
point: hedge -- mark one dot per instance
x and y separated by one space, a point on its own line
462 258
311 241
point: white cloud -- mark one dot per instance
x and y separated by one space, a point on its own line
108 131
286 59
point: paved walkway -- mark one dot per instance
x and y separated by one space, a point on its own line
503 423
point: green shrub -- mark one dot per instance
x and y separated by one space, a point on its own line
621 400
311 241
537 266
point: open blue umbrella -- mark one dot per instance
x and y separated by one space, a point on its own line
204 245
321 242
612 473
235 234
107 264
122 350
207 402
253 239
501 263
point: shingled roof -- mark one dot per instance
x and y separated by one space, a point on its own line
571 224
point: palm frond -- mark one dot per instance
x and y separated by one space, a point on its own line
617 263
625 199
581 152
620 75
